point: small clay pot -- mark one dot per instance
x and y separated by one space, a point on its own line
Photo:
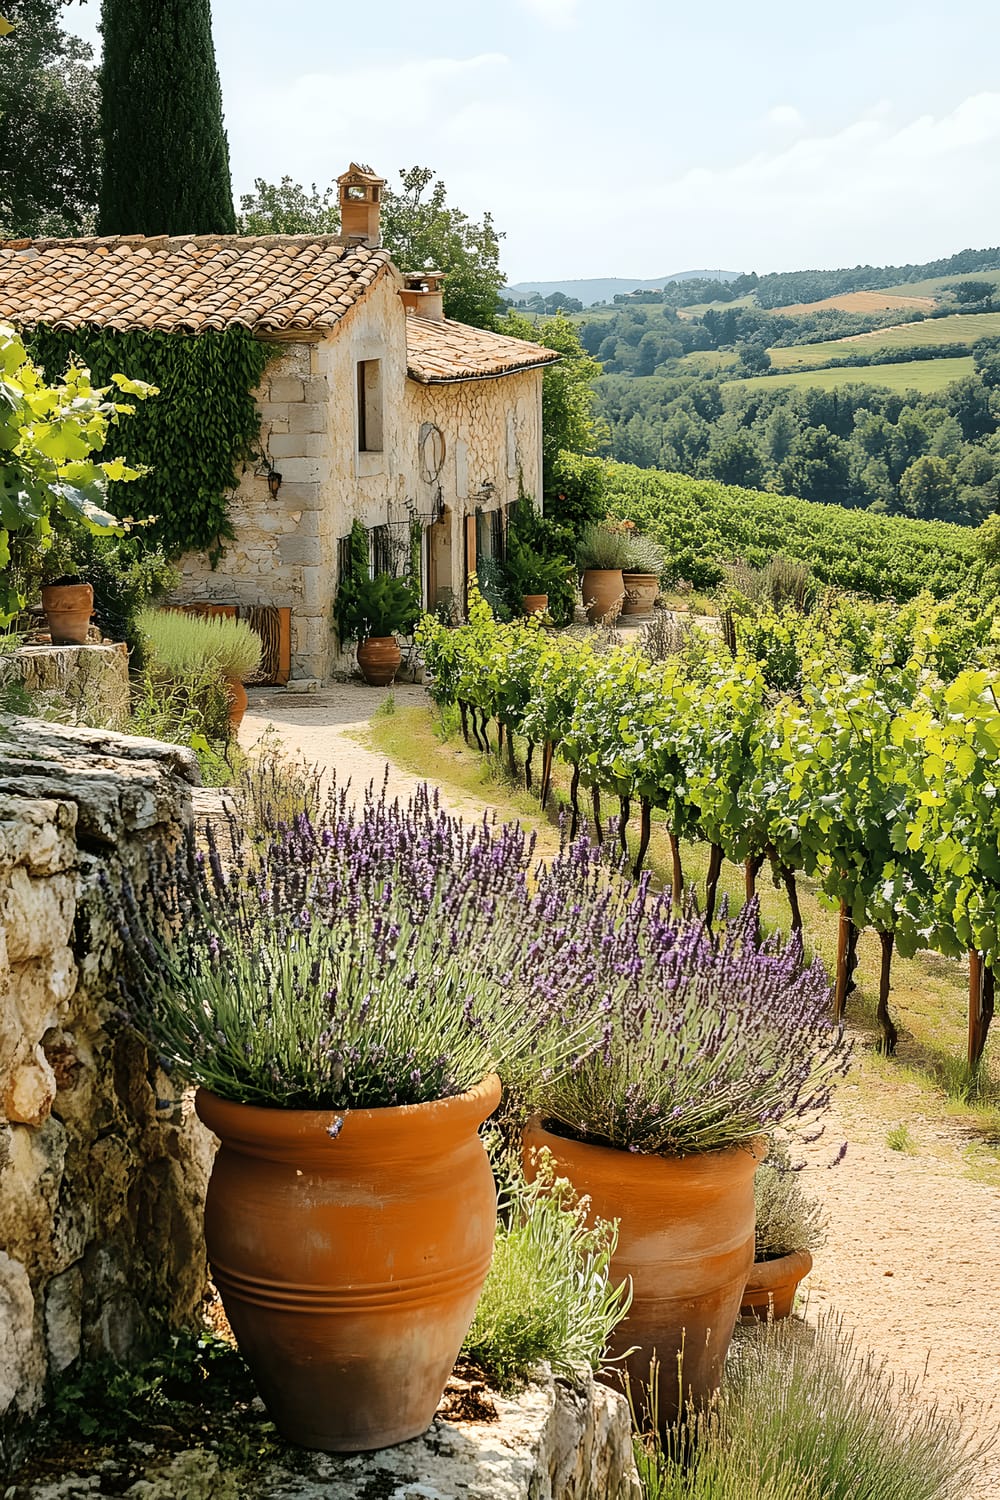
685 1238
772 1284
534 604
68 608
237 703
350 1260
379 658
603 591
641 590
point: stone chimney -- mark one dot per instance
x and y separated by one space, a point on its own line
422 294
360 201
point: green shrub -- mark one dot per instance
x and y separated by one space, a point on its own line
644 554
539 560
787 1218
548 1294
575 497
382 605
804 1416
603 546
184 645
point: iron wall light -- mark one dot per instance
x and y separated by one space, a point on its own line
273 482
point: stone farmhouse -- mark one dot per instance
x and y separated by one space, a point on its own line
377 408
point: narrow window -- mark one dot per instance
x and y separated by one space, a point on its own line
369 406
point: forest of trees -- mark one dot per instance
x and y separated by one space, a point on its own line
933 457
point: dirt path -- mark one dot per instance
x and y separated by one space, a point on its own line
912 1260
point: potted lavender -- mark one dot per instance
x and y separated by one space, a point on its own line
709 1041
789 1226
343 992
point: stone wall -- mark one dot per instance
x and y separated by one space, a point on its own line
73 684
102 1177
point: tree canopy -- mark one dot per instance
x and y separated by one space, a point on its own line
166 156
49 135
419 229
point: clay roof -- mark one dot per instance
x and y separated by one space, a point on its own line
187 283
441 350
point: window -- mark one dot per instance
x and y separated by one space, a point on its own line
369 406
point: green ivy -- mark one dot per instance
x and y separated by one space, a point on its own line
193 435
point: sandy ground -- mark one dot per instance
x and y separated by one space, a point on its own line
912 1260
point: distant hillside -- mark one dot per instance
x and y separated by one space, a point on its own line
604 288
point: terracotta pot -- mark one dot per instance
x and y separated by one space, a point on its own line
685 1237
68 608
641 590
603 591
350 1268
534 604
379 658
237 703
772 1284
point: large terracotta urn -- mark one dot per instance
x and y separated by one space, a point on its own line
641 590
686 1240
68 609
350 1257
378 659
603 592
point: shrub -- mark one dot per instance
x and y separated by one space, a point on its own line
603 546
391 962
708 1038
644 554
805 1416
548 1295
181 643
382 605
787 1218
575 497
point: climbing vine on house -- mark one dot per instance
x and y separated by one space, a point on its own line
194 436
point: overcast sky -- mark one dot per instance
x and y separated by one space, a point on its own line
638 137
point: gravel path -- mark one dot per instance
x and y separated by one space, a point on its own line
912 1259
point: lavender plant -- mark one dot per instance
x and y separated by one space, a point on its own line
707 1039
367 958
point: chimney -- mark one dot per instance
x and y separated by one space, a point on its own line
422 294
360 199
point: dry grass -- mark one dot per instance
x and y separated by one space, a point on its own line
860 302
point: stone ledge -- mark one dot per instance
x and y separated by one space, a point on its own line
556 1441
118 783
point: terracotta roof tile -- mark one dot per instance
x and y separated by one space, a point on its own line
186 283
438 350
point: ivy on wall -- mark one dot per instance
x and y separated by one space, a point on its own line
193 436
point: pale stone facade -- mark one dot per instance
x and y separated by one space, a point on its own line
102 1177
488 444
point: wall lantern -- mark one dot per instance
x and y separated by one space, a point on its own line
273 482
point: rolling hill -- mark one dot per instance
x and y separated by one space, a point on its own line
604 288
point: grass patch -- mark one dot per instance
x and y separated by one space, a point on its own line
900 1139
962 328
804 1416
923 375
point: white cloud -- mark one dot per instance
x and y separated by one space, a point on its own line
559 13
786 116
879 189
390 115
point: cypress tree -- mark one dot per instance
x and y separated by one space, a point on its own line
166 157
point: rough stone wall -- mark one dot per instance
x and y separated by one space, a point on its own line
101 1178
279 555
493 442
73 684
